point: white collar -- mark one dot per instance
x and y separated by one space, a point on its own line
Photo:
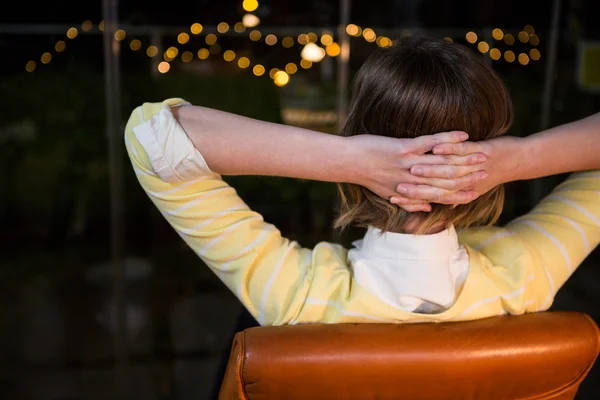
408 246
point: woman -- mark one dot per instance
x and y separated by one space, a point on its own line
411 265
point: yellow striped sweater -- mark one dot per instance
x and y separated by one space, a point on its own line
512 270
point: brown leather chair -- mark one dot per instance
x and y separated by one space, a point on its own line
534 356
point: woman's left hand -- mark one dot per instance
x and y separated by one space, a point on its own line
383 164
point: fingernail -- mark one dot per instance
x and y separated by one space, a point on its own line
416 170
402 189
464 136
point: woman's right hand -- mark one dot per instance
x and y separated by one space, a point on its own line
504 157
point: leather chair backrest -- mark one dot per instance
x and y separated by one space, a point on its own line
533 356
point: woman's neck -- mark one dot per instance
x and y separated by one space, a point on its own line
414 223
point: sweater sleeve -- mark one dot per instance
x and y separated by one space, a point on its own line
560 233
267 272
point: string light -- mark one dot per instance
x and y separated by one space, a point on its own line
534 54
250 5
172 52
203 54
239 27
523 37
255 35
152 51
183 38
135 45
187 56
495 54
383 41
272 72
483 47
211 38
196 28
523 59
72 33
305 63
167 56
229 55
287 42
534 40
312 52
529 29
258 70
326 39
369 35
223 27
243 62
291 68
46 58
471 37
509 39
86 25
303 38
281 78
333 50
30 66
120 35
353 30
250 20
60 46
497 34
509 56
164 67
271 39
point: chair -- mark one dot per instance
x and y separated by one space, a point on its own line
533 356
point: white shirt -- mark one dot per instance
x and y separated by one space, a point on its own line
416 273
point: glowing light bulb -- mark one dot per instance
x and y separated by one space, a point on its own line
312 52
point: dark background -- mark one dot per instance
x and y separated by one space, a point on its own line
57 324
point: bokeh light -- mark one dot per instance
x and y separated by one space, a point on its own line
152 51
135 45
86 25
529 29
72 33
196 28
281 78
333 50
60 46
250 20
211 38
229 55
244 62
183 38
497 34
255 35
471 37
46 58
509 56
203 54
534 40
305 64
303 38
239 27
495 54
272 72
353 30
291 68
523 37
326 39
187 56
523 59
271 39
369 35
120 35
483 47
164 67
223 27
534 54
287 42
30 66
258 70
509 39
250 5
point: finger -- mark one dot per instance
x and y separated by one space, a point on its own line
464 182
469 159
459 149
436 195
444 171
405 201
416 208
427 142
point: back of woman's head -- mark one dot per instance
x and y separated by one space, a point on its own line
422 86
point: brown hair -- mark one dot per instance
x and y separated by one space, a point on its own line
422 86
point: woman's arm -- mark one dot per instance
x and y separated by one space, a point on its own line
570 147
236 145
